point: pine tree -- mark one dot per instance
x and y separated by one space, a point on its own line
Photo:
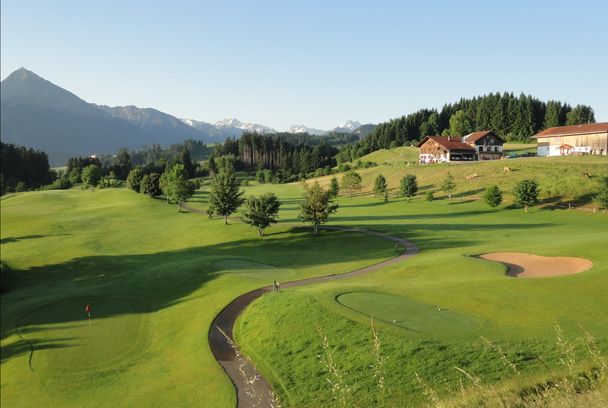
552 115
334 187
579 115
187 162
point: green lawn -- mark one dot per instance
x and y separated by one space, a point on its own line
475 296
154 279
561 178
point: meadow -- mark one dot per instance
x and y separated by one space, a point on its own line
155 279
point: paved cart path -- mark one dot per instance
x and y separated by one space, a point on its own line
253 391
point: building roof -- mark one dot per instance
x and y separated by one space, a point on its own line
449 142
475 136
573 130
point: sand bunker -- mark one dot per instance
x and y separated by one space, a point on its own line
534 266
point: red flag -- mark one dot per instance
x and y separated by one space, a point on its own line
87 309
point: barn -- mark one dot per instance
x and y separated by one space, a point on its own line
589 138
487 145
441 149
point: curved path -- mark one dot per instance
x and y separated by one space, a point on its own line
253 391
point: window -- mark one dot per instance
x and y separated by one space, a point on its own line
496 148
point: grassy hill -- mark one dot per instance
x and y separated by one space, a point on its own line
155 279
431 311
562 179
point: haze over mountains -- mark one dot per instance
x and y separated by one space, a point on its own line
37 113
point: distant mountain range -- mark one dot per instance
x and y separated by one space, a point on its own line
37 113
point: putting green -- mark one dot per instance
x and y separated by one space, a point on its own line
64 341
253 270
408 313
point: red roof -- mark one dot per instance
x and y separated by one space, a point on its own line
449 142
475 136
574 130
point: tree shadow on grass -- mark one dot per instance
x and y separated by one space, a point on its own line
167 278
9 240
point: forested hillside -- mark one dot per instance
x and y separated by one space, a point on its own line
511 117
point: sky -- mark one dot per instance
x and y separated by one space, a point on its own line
318 63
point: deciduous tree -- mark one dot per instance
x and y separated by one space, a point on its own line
409 186
317 206
449 185
381 187
351 182
134 179
150 185
525 194
225 196
261 212
91 176
493 196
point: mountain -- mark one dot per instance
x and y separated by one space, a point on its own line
245 127
164 129
365 130
37 113
211 131
304 129
348 127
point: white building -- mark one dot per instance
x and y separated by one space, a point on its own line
589 138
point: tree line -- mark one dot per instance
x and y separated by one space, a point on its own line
514 118
289 157
23 169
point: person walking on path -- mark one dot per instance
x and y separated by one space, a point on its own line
275 286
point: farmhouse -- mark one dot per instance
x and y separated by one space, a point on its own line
487 145
590 138
440 149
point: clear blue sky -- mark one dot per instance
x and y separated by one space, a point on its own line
319 63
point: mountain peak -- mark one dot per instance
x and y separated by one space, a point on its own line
22 75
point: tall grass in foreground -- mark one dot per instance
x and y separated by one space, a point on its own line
250 379
577 388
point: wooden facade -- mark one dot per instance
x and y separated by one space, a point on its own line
591 138
487 145
441 149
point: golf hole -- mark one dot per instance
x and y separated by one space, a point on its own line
63 340
409 314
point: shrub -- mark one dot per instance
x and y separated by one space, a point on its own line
429 196
525 193
91 175
150 185
134 179
381 187
493 196
409 186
